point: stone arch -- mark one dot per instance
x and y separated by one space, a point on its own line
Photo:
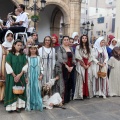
55 21
65 10
63 7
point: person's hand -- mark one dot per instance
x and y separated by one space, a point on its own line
51 104
103 64
17 78
85 67
4 26
57 78
26 80
40 77
100 64
12 23
88 66
70 68
81 63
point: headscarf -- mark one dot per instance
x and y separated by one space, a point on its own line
110 37
116 53
57 42
6 43
75 34
97 44
111 46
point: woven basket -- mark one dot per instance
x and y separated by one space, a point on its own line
18 89
101 74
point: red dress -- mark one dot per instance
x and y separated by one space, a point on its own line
85 84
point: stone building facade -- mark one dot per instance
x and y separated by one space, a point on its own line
117 25
68 10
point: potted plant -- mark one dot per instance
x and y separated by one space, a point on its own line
35 18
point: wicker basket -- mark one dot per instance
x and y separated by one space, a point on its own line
101 74
18 89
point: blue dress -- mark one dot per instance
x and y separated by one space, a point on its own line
109 51
34 99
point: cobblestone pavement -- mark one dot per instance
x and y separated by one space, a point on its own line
89 109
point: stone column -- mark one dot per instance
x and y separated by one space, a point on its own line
117 24
75 6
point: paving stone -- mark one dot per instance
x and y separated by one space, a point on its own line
11 116
115 99
75 118
88 109
35 116
102 116
117 113
67 113
108 106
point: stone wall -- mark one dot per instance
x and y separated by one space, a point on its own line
117 25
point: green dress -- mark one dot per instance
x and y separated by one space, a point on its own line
17 62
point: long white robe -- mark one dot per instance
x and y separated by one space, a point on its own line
47 56
114 78
102 83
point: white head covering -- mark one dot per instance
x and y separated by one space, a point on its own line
97 44
6 43
75 34
111 46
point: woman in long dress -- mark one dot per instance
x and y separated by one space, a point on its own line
15 61
47 55
100 59
4 50
67 61
83 67
112 45
114 78
34 75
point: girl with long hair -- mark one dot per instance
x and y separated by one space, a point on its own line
15 62
83 68
34 75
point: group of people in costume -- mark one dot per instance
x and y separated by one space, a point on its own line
53 74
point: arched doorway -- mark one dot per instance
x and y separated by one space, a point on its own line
52 20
